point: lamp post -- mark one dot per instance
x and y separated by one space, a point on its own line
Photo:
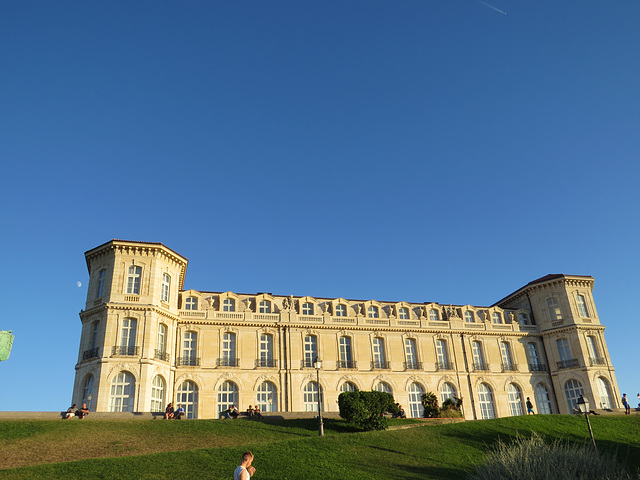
317 364
90 397
583 406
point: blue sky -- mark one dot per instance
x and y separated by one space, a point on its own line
417 150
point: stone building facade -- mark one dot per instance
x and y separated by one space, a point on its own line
145 341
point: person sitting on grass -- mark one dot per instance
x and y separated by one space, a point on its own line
71 411
179 413
83 412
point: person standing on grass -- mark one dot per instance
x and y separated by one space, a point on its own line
625 404
529 407
245 470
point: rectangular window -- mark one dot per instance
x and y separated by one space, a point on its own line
133 280
166 284
266 350
310 350
534 358
379 357
443 356
591 345
189 345
582 306
554 309
94 335
128 333
162 338
563 349
505 351
229 349
102 277
346 358
411 353
478 357
191 303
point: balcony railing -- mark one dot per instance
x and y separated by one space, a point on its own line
444 366
92 353
125 351
266 362
571 363
509 367
413 365
227 362
537 367
597 361
480 367
346 364
380 365
188 361
162 355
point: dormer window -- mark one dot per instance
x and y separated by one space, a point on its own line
191 303
341 310
228 305
403 313
496 317
373 312
469 317
434 316
264 306
307 308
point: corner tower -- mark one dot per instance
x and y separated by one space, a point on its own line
563 309
127 325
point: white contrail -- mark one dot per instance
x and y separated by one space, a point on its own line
491 7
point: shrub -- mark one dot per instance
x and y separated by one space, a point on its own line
451 408
366 409
533 459
430 404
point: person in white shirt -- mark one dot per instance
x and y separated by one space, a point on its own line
245 470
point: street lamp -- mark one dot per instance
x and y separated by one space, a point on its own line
90 397
317 364
583 406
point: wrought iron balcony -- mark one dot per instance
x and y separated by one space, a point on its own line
444 366
538 367
509 367
125 351
413 365
381 364
227 362
346 364
480 367
597 361
187 361
266 362
92 353
571 363
162 355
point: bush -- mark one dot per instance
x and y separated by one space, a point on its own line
451 408
430 404
366 409
533 459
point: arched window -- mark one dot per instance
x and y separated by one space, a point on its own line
403 313
228 350
310 350
515 399
228 305
264 306
434 316
496 317
554 309
469 317
166 285
87 390
573 389
447 391
266 350
341 310
157 394
187 396
348 387
267 398
487 407
373 312
227 396
191 303
123 387
310 394
307 308
416 410
604 392
383 387
543 399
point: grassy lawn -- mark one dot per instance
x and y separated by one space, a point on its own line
290 449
